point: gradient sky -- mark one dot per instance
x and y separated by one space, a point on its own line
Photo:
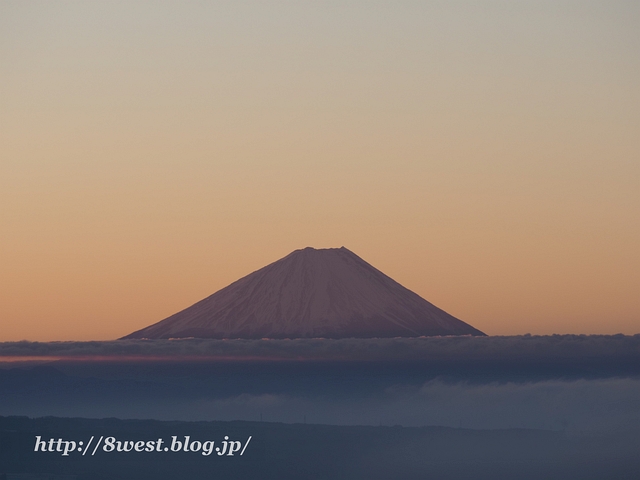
484 154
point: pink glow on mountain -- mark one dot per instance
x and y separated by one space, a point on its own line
311 293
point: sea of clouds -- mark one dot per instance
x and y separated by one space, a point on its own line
548 348
566 382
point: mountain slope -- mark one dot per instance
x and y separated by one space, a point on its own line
329 293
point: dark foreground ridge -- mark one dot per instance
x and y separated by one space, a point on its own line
324 293
294 451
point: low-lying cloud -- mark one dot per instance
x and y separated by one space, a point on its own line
548 348
576 405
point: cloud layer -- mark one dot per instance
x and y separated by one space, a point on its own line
515 348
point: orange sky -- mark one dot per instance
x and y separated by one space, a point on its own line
486 157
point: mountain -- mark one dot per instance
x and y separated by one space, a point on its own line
330 293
